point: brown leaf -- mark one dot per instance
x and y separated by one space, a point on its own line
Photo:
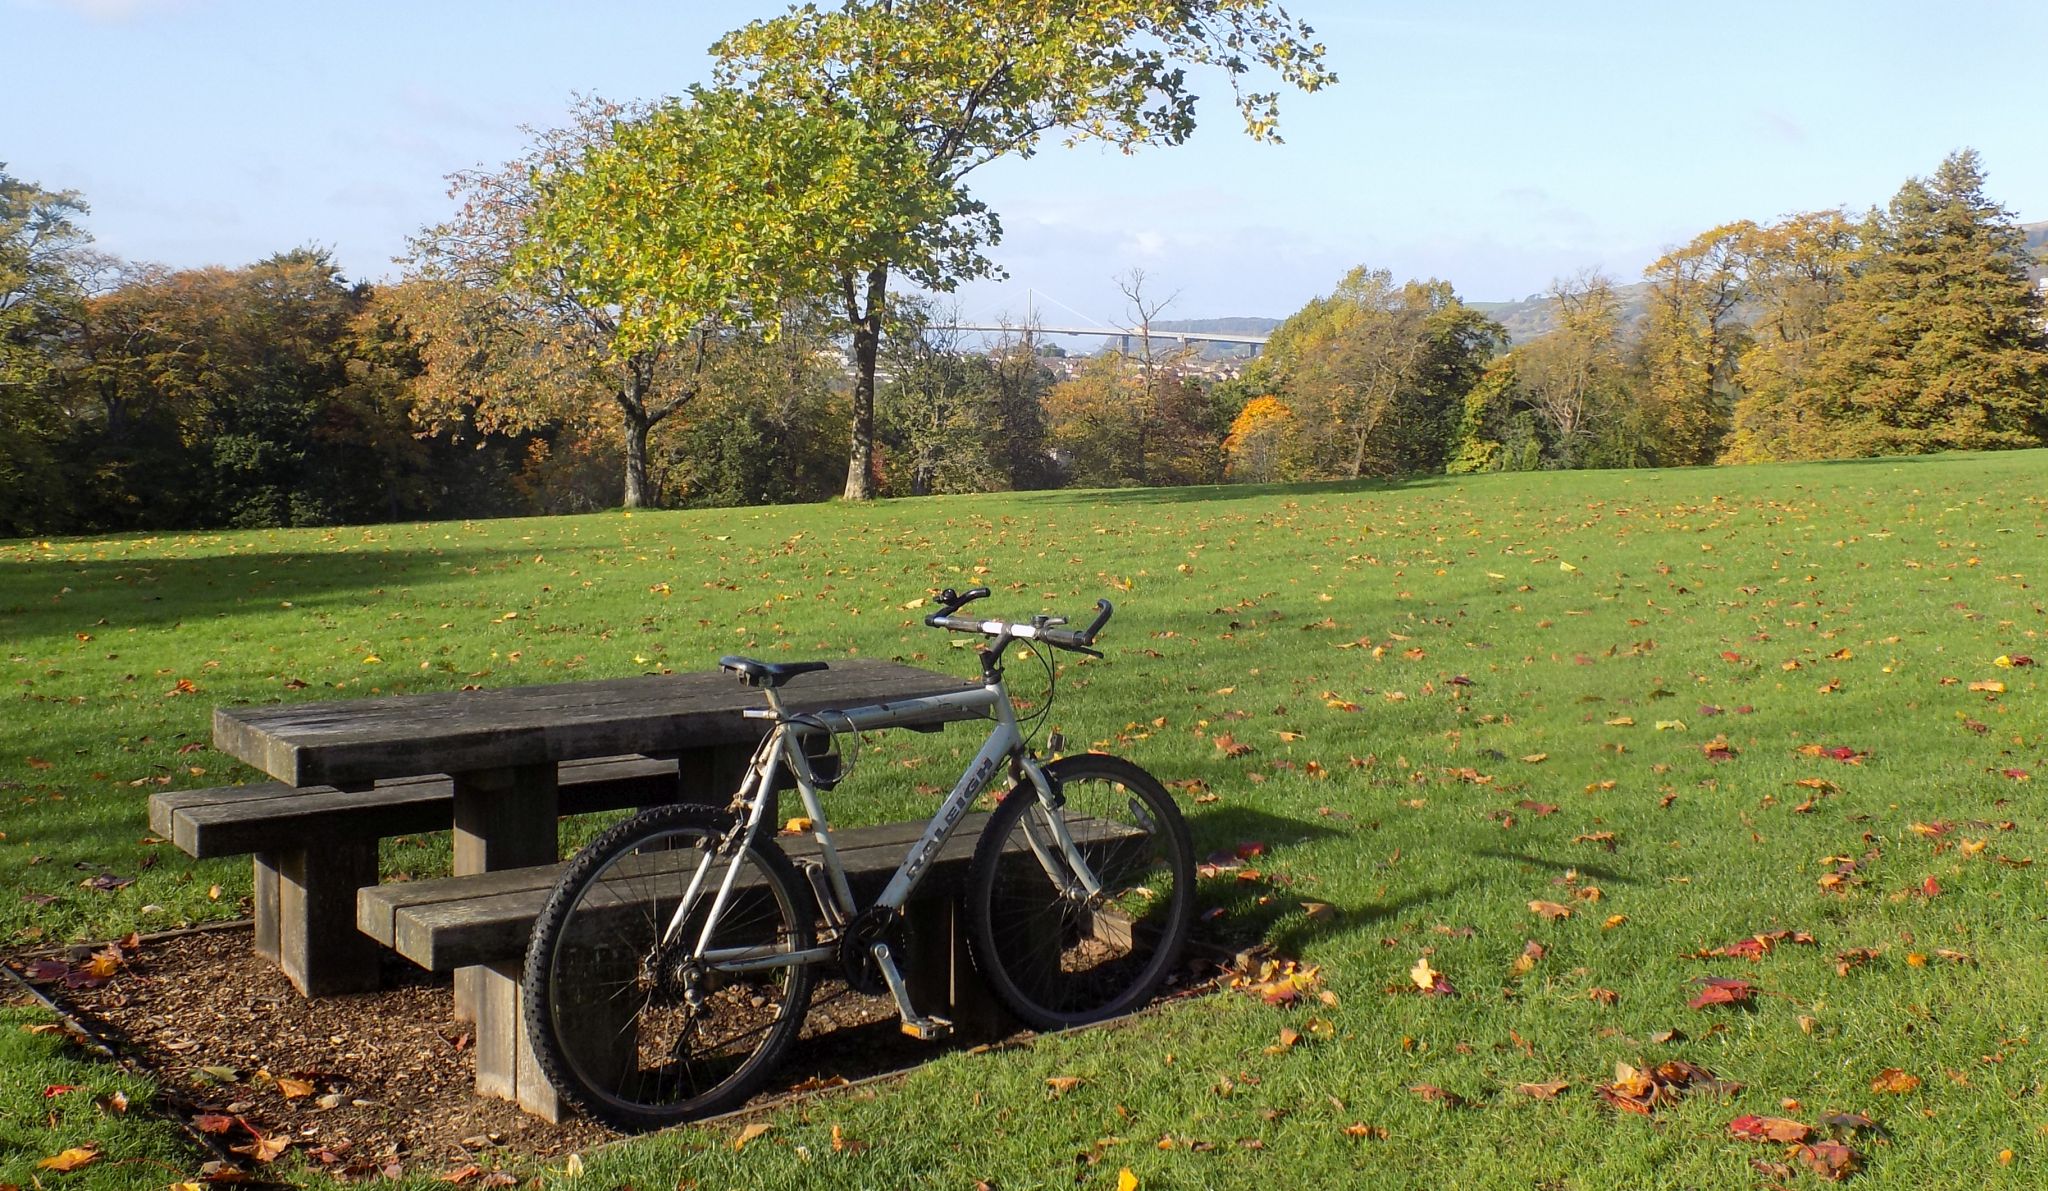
1894 1082
1360 1129
1551 910
1543 1091
748 1134
293 1089
1059 1085
1830 1160
213 1122
1437 1095
1778 1129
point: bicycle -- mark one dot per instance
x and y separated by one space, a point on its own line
675 960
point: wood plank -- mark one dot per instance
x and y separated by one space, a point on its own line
358 741
239 820
456 922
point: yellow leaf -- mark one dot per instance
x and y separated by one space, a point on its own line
1060 1085
292 1089
1550 909
1993 688
1894 1081
1670 725
1126 1181
798 825
909 604
748 1134
1566 567
1536 758
1613 920
1423 975
371 659
71 1159
2002 661
1622 721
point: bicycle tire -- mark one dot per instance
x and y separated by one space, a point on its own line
606 1011
1057 960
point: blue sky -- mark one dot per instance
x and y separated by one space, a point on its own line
1497 145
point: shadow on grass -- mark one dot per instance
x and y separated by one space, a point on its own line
63 594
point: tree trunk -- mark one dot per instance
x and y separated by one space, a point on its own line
867 342
637 494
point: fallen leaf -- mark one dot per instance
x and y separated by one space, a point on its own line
293 1089
1436 1095
1126 1181
1778 1129
749 1134
1542 1091
1059 1085
1830 1160
1894 1082
1720 990
70 1159
1360 1129
1551 910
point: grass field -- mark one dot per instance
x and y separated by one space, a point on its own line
1688 707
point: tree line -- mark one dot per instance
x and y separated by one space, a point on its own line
484 382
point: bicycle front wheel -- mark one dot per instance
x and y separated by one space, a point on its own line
1055 953
629 1019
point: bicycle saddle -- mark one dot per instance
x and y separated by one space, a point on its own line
767 674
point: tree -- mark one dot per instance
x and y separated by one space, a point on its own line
1794 272
511 335
1374 375
1690 344
834 151
1570 377
42 256
1937 343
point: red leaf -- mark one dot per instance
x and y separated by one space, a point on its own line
1930 887
1719 990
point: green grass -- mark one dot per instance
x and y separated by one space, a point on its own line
1891 576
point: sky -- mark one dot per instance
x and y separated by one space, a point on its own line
1498 146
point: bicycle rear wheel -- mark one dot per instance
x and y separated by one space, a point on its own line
1055 955
639 1032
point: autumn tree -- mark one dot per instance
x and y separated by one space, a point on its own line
1937 343
1374 374
1572 377
1690 343
513 337
834 151
1794 272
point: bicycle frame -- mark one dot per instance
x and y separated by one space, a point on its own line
783 749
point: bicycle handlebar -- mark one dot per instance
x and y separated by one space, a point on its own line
1040 629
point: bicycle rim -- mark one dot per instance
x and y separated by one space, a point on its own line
641 1033
1057 956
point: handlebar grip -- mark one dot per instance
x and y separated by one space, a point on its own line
1104 610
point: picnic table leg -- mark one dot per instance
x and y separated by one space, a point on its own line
941 974
305 916
504 818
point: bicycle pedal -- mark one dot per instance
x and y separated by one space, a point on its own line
928 1029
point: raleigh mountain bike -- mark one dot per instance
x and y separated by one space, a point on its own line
674 962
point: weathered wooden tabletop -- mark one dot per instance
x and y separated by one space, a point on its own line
352 742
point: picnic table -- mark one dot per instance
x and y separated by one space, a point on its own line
503 752
498 768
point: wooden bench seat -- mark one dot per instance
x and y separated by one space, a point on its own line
263 816
478 925
314 847
481 924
